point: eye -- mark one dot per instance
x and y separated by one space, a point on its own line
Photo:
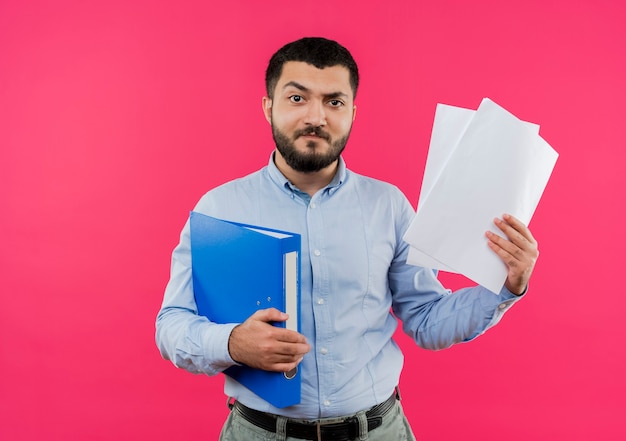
335 103
296 99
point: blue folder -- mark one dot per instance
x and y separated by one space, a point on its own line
238 269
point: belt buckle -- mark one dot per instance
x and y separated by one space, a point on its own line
351 422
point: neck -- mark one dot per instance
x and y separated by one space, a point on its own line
310 182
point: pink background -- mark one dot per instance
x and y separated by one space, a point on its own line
115 117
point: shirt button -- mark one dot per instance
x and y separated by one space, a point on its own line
326 403
313 206
324 351
320 302
503 306
317 252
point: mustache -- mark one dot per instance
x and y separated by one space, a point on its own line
315 130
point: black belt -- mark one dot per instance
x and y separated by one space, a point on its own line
345 430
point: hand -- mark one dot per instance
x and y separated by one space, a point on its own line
258 344
519 253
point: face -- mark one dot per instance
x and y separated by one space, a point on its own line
311 114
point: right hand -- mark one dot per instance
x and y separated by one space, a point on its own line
258 344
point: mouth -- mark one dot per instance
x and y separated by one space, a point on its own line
315 133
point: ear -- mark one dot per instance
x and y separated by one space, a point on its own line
353 113
267 108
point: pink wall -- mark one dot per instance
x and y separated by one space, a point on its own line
115 117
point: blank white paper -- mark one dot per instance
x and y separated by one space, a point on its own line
482 165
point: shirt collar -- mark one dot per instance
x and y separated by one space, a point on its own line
279 179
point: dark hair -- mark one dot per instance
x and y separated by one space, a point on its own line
316 51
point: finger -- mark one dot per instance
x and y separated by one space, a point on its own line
506 249
521 237
285 367
512 233
508 252
519 262
264 331
284 358
281 363
288 336
292 349
521 230
514 239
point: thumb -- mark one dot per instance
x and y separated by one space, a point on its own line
270 315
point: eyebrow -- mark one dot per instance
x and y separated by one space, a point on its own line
306 89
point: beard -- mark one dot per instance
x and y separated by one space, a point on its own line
309 161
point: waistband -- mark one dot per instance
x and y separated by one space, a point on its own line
335 429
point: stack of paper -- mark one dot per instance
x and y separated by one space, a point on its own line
480 165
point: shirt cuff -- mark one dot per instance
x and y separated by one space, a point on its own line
505 293
216 345
503 302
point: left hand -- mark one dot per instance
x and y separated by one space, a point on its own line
519 253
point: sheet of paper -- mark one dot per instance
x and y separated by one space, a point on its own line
499 165
448 127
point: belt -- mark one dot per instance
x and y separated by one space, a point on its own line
345 429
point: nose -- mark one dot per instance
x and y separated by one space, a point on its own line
315 116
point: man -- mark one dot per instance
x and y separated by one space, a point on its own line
353 271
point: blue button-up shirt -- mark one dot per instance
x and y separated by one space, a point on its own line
354 273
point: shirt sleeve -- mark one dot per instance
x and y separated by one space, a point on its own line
187 339
433 316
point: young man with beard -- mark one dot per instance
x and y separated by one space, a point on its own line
353 271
